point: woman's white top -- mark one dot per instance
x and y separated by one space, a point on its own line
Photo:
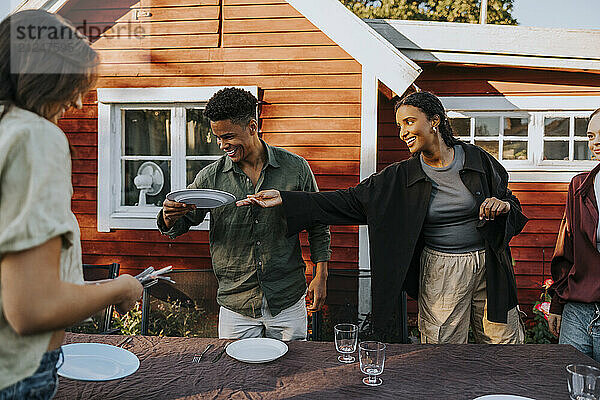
35 206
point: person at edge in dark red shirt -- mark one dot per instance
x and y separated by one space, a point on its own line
575 306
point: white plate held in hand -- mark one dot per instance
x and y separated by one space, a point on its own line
257 350
97 362
202 198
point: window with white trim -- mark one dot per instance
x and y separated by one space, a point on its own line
151 141
529 135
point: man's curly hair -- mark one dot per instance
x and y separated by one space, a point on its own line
237 105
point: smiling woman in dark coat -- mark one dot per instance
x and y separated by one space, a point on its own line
439 227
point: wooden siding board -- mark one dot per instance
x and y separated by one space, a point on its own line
260 11
275 53
536 239
177 28
302 125
252 2
264 82
156 42
276 39
543 211
222 69
553 198
319 96
263 25
85 153
83 138
310 110
335 167
93 5
85 166
320 153
318 139
108 17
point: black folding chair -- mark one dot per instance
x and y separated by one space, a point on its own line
102 320
346 305
193 290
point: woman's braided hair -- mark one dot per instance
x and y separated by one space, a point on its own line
431 106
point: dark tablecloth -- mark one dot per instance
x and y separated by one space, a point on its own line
310 370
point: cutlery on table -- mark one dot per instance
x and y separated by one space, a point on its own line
220 354
198 357
124 341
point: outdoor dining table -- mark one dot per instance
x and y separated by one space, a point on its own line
310 370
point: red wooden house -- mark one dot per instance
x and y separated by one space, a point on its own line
325 79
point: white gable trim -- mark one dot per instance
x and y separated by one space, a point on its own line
48 5
524 103
362 42
502 60
162 94
519 46
368 166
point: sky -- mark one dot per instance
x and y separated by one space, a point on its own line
578 14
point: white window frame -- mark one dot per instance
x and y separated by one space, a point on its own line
535 169
111 101
508 164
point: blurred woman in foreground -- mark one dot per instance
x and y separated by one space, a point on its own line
45 68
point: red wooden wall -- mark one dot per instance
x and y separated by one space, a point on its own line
310 85
312 92
543 203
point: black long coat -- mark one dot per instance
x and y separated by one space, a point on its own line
393 203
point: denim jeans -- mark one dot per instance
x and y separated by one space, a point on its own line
580 327
42 385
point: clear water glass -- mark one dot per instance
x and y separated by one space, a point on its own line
584 382
346 337
372 361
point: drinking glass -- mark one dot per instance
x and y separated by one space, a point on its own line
372 361
346 336
584 382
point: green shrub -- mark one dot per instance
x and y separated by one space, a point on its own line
168 319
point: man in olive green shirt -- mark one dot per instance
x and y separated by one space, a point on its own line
260 271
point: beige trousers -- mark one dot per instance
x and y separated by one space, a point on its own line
289 324
452 297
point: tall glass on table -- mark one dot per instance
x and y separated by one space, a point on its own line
584 382
372 360
346 336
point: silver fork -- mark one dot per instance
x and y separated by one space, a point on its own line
198 357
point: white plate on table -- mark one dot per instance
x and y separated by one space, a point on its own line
96 362
502 397
202 198
257 350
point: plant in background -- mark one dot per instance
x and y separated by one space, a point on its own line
129 323
538 330
177 319
168 319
